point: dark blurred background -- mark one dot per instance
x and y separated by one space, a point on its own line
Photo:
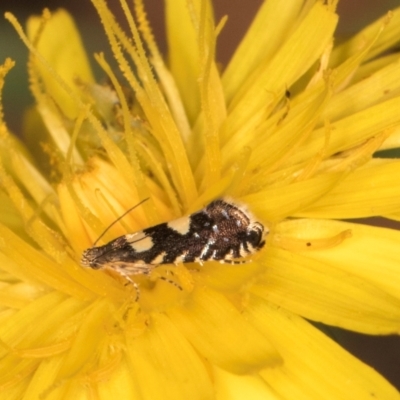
382 353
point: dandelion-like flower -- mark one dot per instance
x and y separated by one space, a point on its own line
288 129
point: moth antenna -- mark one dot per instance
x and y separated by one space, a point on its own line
118 219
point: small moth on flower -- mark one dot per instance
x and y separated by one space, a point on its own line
222 231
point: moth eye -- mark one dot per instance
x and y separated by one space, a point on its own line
255 233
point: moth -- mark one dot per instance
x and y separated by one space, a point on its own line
222 231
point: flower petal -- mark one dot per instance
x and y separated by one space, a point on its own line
15 330
247 57
338 285
9 215
183 53
374 89
237 387
295 56
352 130
85 344
30 342
59 44
389 37
371 253
42 382
284 134
314 366
322 293
217 330
368 191
164 364
22 260
228 278
277 203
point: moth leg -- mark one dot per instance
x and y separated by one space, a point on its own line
127 269
234 261
165 279
134 284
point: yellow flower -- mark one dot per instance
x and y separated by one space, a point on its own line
289 128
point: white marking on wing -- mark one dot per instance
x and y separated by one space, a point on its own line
205 248
181 258
229 256
180 225
158 259
139 241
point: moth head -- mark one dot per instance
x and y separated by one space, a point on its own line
255 235
89 258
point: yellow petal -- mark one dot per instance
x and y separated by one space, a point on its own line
59 44
285 137
165 365
218 332
247 57
314 366
22 260
228 278
295 56
322 293
42 382
374 89
118 383
183 55
15 331
237 387
9 216
352 130
391 31
393 141
85 343
370 253
368 191
150 97
276 203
